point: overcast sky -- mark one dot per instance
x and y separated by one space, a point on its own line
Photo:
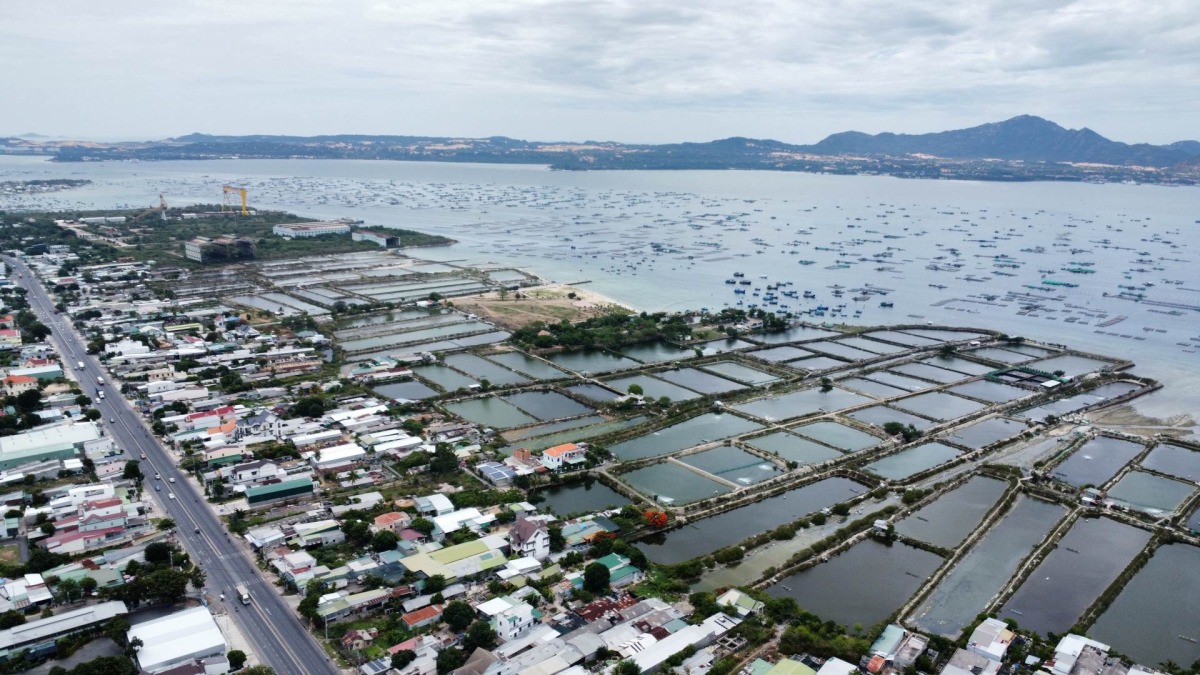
626 70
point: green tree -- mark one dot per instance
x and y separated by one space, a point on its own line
557 541
458 615
627 667
259 670
595 578
435 584
158 553
133 471
88 585
310 406
237 659
69 589
384 540
10 619
422 525
450 659
480 635
165 524
444 460
402 658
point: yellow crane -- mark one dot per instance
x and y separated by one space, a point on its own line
241 191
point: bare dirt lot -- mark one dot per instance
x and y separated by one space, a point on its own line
549 304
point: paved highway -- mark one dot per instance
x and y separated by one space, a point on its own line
273 629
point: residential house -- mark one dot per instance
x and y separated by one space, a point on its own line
10 338
529 538
434 505
17 384
560 456
422 617
359 639
510 618
395 521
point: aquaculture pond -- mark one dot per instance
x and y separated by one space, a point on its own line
939 405
446 378
793 334
993 392
793 448
698 380
514 435
912 461
948 520
803 402
864 585
695 431
670 483
652 387
1156 617
482 369
1152 494
879 415
871 388
968 588
780 354
592 361
1174 460
928 372
1097 461
593 391
733 464
741 373
524 363
964 366
586 496
904 382
547 405
1084 563
654 352
988 431
702 537
838 435
405 391
490 411
1071 365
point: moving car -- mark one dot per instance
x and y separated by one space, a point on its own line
170 495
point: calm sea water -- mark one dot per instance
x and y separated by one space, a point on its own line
669 240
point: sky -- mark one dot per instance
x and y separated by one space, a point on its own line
640 71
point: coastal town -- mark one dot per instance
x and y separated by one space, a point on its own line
293 446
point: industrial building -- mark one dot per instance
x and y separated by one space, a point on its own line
286 490
314 229
225 247
177 639
64 441
40 637
381 239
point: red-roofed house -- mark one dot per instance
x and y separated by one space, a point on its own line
422 617
15 384
8 321
567 453
396 521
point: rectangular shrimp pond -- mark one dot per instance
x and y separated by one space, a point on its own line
705 428
702 537
863 585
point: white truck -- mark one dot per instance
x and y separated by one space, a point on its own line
81 366
243 594
100 381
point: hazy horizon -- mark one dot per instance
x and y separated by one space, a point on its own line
626 70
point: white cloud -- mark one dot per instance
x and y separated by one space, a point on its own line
637 70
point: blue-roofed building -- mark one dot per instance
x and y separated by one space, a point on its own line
496 473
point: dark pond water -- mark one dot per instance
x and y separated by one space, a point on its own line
950 518
1086 561
409 391
1174 460
864 585
980 574
584 497
1097 461
705 536
1155 608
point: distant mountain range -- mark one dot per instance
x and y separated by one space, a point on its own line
1021 148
